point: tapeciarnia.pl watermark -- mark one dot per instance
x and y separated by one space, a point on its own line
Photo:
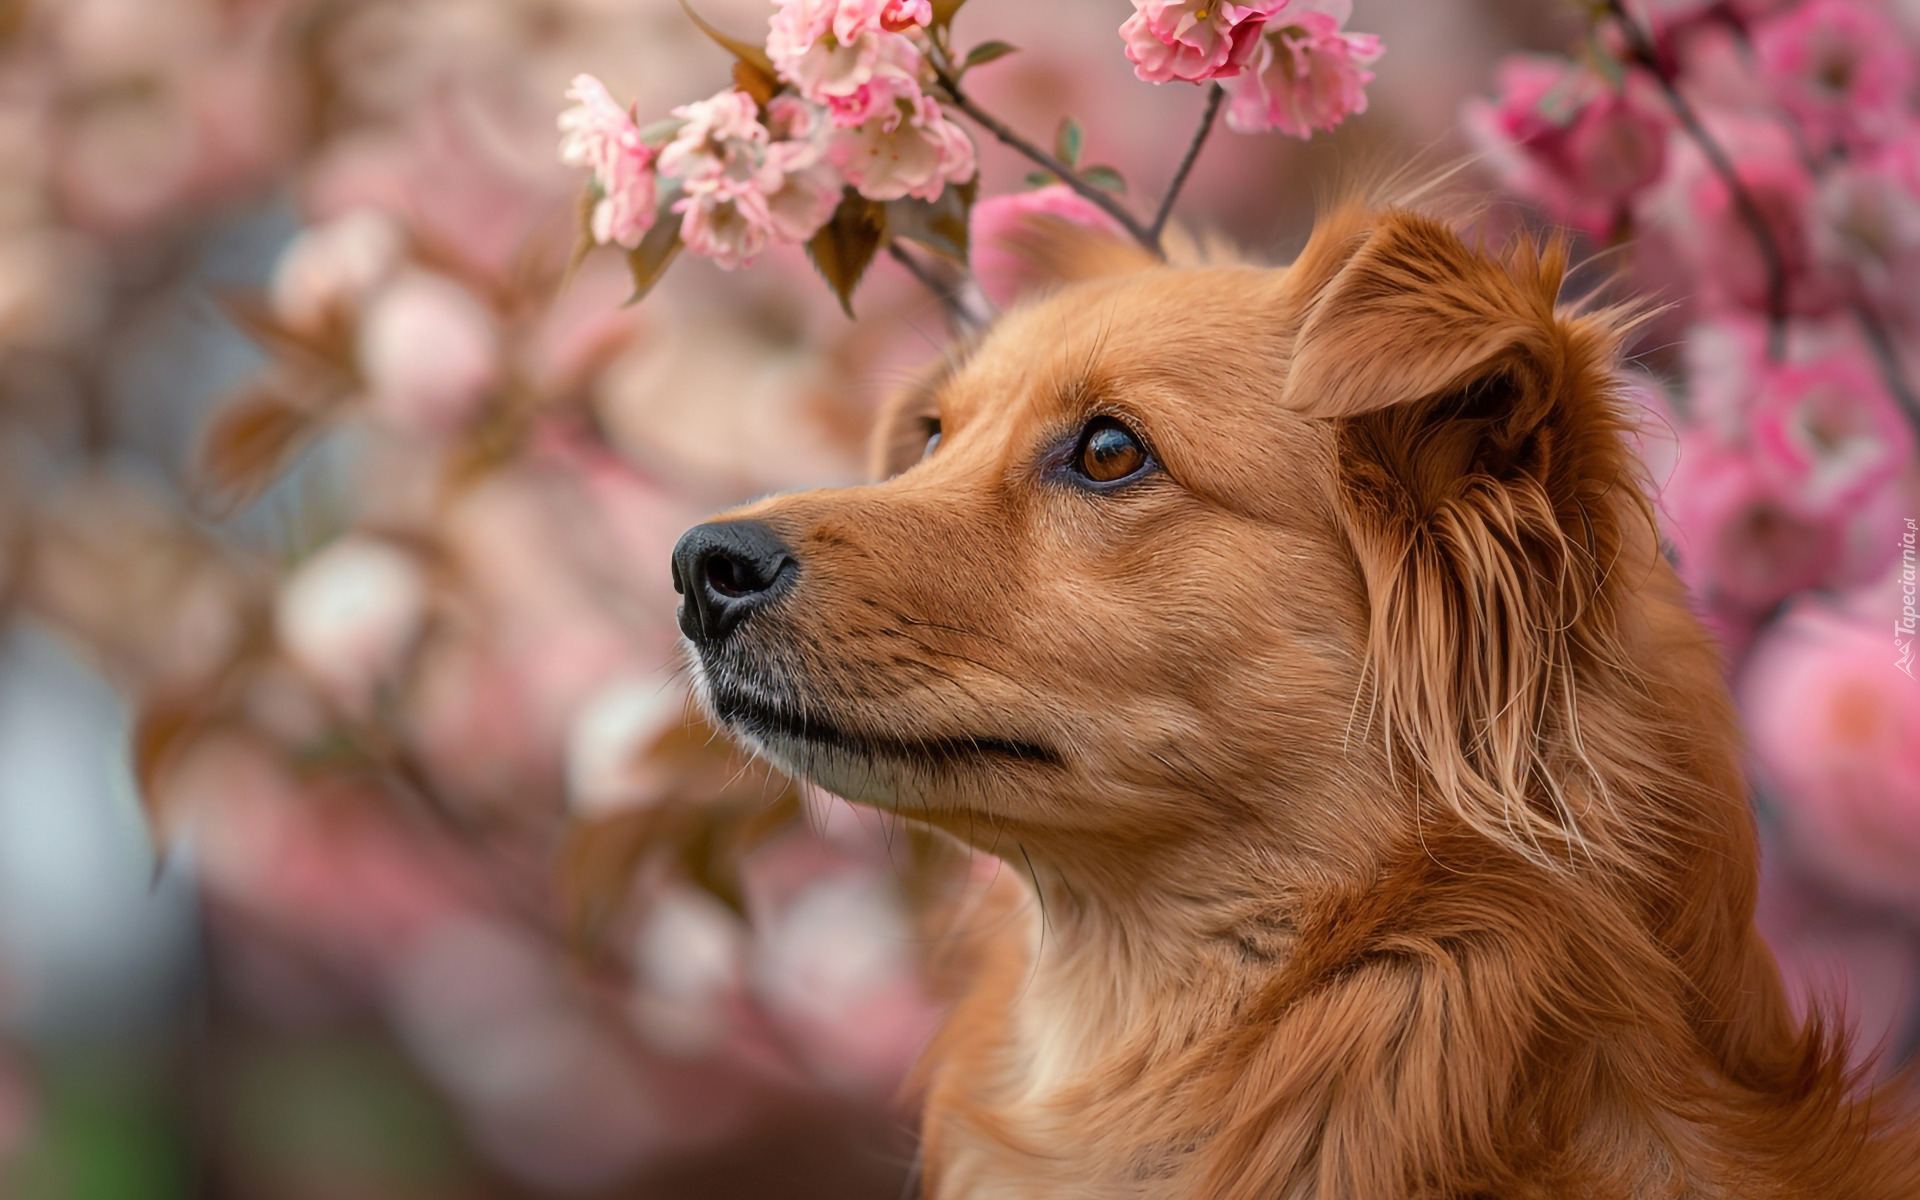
1903 625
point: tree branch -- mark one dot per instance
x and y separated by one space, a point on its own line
1000 130
967 307
1215 94
1645 56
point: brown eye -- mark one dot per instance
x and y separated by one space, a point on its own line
1109 452
933 438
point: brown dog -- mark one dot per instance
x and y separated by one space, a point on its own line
1303 636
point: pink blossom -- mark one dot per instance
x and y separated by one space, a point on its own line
1560 136
1828 435
1725 252
1867 224
805 190
726 220
1839 67
1835 727
429 353
599 134
346 616
911 150
331 269
722 139
997 222
1194 40
899 16
1307 75
846 55
1739 541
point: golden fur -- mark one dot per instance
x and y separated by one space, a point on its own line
1373 798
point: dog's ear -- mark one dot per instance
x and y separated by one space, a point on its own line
1487 491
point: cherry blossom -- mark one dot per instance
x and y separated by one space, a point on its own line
911 150
599 134
1305 75
1194 40
1001 269
1839 67
1836 731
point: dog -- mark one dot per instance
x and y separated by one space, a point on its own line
1302 638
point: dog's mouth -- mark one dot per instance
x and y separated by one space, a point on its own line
777 724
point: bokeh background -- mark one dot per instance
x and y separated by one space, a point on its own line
356 841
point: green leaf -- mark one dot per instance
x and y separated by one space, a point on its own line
659 133
846 244
1106 179
1066 142
985 53
943 11
1040 179
649 260
940 224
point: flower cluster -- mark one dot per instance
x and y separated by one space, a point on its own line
1286 65
740 172
1763 162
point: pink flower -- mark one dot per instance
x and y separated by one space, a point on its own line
900 16
1839 67
1564 139
599 134
349 613
998 221
1835 728
331 269
1738 540
849 55
1828 435
1867 224
1194 40
806 189
1729 260
726 220
429 353
722 139
910 150
1307 75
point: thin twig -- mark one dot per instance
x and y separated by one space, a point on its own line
1774 262
1215 94
1887 357
1102 200
966 306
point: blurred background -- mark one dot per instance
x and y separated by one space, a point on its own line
356 839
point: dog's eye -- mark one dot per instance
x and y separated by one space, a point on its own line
1109 452
933 437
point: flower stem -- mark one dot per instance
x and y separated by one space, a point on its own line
1102 200
1772 260
1215 94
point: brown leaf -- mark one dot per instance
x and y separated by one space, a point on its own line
597 861
846 244
250 441
759 84
649 260
327 352
747 52
943 11
163 729
939 224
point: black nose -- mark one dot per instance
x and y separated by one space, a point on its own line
725 570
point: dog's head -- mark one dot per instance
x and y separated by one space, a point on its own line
1229 556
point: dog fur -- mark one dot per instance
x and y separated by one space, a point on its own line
1372 796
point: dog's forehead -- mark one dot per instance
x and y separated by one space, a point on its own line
1197 345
